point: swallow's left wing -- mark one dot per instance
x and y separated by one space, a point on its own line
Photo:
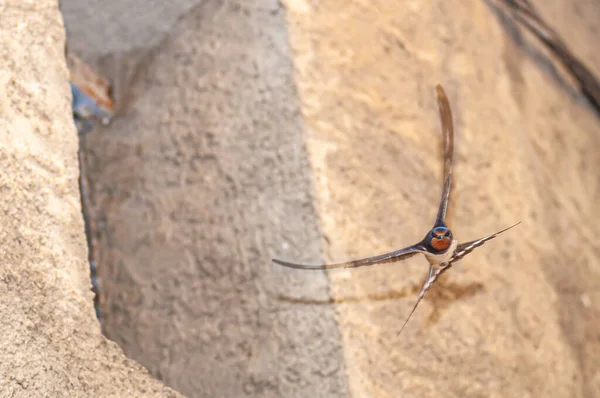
448 133
391 257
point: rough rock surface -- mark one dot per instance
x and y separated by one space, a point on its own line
50 340
253 129
195 185
519 316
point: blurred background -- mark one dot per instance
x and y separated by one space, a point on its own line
308 130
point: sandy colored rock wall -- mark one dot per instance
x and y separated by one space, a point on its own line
50 340
519 316
258 128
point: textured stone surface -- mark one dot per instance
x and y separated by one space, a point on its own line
509 320
120 26
205 175
50 340
196 183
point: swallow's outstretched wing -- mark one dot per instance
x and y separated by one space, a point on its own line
391 257
432 276
465 248
448 133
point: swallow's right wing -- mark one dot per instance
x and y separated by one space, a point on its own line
391 257
448 133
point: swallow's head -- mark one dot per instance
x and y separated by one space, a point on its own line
440 238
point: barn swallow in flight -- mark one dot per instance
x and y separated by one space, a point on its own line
439 246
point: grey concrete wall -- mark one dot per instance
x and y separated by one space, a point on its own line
202 178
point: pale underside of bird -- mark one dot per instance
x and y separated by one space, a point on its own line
439 246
